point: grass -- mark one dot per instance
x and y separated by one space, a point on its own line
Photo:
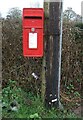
0 105
29 105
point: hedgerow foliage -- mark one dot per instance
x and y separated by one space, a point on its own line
16 67
71 56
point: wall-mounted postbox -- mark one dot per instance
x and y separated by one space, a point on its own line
33 23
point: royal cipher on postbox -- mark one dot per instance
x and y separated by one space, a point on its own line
33 28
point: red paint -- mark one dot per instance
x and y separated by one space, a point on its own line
33 18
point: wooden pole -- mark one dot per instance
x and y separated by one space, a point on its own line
43 79
53 55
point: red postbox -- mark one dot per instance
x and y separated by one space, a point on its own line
33 23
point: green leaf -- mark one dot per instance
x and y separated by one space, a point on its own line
34 115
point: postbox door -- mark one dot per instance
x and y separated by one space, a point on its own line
33 42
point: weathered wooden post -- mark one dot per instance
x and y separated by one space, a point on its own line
53 57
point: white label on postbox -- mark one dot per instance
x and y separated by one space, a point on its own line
32 40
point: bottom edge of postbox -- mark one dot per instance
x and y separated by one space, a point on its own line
33 55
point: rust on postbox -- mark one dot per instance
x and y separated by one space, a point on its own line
33 23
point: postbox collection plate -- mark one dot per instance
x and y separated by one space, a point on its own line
33 40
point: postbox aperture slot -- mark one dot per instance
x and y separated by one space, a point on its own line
32 17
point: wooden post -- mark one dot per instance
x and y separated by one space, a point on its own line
43 79
53 57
